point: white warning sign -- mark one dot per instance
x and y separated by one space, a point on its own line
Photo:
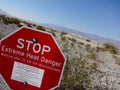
26 73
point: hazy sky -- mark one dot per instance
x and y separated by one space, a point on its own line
100 17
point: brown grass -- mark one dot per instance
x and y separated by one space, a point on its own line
111 48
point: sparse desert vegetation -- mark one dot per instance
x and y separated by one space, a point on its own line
40 28
111 48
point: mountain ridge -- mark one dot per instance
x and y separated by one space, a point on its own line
85 35
4 12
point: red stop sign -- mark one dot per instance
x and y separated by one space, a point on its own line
31 60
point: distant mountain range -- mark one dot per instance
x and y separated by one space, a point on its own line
3 12
86 35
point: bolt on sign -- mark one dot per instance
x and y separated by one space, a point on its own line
30 60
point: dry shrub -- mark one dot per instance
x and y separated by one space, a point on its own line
111 48
40 28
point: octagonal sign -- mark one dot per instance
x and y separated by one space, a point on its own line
30 60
